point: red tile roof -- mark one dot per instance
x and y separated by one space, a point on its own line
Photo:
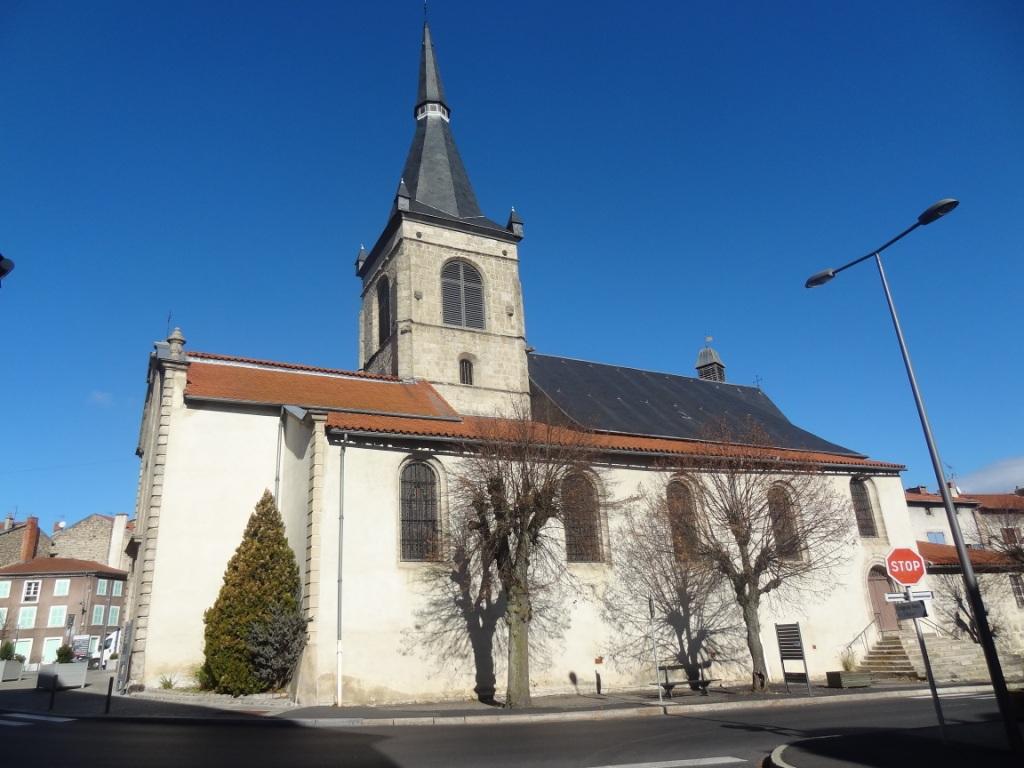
334 391
475 428
913 497
44 565
944 556
1000 501
287 366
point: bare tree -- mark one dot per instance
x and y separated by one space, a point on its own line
1002 531
765 520
695 621
509 488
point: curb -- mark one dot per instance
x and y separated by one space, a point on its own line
652 710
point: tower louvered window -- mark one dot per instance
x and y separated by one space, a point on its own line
581 520
462 295
862 508
421 530
681 518
784 524
383 311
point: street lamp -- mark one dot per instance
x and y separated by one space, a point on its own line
933 213
6 267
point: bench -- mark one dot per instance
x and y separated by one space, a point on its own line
701 683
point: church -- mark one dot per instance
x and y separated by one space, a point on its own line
359 461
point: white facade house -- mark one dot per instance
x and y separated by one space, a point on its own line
358 462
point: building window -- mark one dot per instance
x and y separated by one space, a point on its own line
30 592
97 614
581 518
465 371
3 617
383 311
117 588
421 530
101 586
27 617
936 537
61 587
58 615
1017 586
682 518
1011 536
863 508
114 616
5 589
784 527
462 295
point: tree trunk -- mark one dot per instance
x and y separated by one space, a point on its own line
518 617
759 672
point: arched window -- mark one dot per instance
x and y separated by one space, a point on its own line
581 520
462 295
783 520
421 529
682 518
465 371
383 311
863 508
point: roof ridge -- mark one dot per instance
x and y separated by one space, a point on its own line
647 370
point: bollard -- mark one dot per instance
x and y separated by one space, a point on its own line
53 691
110 690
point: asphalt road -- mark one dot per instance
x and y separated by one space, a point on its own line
738 737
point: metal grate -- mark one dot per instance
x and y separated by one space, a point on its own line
462 295
1017 585
783 520
465 372
420 526
862 508
581 520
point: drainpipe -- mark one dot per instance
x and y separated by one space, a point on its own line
341 540
277 466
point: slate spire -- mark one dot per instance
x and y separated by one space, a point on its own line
435 178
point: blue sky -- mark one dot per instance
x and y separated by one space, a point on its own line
681 169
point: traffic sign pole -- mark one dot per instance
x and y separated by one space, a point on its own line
928 672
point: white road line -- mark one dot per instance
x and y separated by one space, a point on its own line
45 718
944 696
12 723
697 761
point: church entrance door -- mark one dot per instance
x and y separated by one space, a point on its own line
885 613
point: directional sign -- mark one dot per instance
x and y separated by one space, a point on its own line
915 594
904 566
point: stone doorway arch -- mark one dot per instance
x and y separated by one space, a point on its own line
884 612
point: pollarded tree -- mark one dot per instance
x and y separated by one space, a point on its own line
768 521
517 477
256 630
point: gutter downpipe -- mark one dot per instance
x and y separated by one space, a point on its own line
277 466
341 539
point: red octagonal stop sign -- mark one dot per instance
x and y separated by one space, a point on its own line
904 566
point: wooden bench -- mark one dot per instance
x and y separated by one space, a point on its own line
701 683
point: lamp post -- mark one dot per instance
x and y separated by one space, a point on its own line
933 213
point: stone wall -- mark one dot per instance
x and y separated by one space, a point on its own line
10 544
88 539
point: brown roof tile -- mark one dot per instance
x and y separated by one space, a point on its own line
339 391
287 366
1000 501
940 555
44 565
914 497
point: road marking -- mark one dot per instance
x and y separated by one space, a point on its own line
697 761
13 723
45 718
976 696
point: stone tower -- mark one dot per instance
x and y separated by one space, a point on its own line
441 298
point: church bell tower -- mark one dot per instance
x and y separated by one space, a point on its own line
441 298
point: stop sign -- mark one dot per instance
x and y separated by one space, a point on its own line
904 566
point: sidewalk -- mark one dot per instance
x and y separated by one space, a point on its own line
179 706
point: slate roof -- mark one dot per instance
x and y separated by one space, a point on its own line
611 398
434 173
49 565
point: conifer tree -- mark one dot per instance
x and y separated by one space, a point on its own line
255 630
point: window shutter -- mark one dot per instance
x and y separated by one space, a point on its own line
462 295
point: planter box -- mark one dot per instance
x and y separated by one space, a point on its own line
11 670
848 679
67 675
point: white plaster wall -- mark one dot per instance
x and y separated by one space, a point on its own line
218 465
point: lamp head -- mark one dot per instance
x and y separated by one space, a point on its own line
820 278
938 210
6 265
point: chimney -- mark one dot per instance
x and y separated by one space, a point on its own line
1019 490
709 365
918 489
954 491
9 521
30 539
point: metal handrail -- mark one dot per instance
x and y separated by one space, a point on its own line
862 635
